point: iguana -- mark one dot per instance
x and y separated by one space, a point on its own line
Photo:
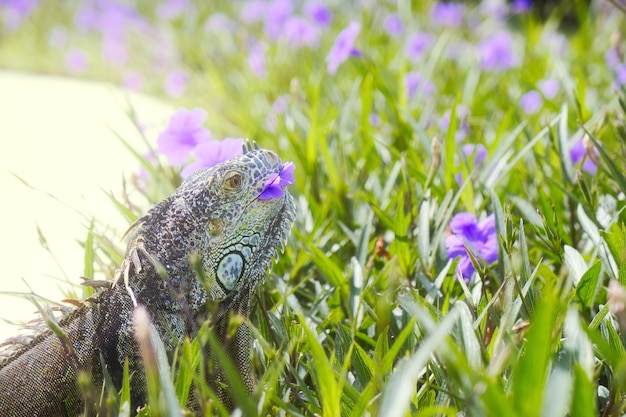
199 254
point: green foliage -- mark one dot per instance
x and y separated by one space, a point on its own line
363 314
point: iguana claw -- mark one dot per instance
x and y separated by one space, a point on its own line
132 258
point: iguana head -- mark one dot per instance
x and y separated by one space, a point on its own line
244 215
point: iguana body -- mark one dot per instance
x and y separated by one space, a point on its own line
215 217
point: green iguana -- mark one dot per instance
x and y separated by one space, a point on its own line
230 219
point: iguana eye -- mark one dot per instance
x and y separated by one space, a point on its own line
233 181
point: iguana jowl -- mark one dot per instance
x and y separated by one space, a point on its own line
215 218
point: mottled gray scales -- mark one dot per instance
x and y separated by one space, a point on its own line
215 216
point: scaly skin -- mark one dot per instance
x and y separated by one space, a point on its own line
215 217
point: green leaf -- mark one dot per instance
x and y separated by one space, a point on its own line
588 284
323 374
530 373
583 397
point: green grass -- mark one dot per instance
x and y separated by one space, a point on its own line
363 314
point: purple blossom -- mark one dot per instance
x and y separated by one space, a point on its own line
132 80
463 129
58 37
531 102
16 11
413 81
496 53
276 14
470 236
343 47
477 153
211 152
521 6
183 133
253 11
299 31
76 61
319 13
549 87
579 152
114 51
176 83
620 75
171 9
418 44
256 60
448 14
275 183
612 58
393 25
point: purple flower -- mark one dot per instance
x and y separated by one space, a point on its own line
276 14
343 47
132 80
521 6
549 87
496 53
183 133
531 102
579 152
393 25
171 9
275 183
462 113
418 43
413 81
176 83
256 60
76 61
114 50
477 152
211 152
469 236
620 75
448 14
16 11
318 12
300 31
612 58
253 11
58 37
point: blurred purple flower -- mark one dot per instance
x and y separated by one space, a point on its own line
531 102
114 51
612 58
211 152
107 18
275 183
253 11
549 87
463 129
620 75
183 133
477 153
447 14
132 80
343 47
256 59
171 9
300 32
15 12
496 53
76 61
417 44
276 14
176 83
413 81
521 6
578 152
318 12
468 235
393 25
